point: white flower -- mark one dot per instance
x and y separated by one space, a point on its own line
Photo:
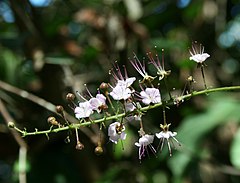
144 142
98 102
165 134
116 132
150 95
84 110
197 53
127 83
129 107
120 92
120 78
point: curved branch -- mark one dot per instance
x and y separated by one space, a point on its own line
143 109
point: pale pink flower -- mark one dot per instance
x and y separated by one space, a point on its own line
116 132
84 110
120 92
150 95
129 107
144 142
122 80
127 82
98 102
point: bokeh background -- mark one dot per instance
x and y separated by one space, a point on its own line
51 47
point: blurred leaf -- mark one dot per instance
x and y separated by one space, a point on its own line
194 128
110 175
125 147
59 60
9 63
235 150
168 44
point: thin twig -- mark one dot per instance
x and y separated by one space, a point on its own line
45 104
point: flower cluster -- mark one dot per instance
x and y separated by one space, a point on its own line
122 100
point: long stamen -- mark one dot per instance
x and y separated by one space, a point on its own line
163 141
169 148
89 93
152 149
113 74
194 48
125 71
81 96
177 141
118 71
140 67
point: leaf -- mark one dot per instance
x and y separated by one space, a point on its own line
124 147
235 150
195 128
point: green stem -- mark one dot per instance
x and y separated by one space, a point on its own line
165 82
117 116
164 117
202 70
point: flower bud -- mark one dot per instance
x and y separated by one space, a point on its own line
98 150
59 109
52 120
79 146
11 124
70 96
103 86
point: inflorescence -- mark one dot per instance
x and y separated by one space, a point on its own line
121 103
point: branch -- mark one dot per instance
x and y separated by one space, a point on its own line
43 103
143 109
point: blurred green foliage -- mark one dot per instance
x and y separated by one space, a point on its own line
54 48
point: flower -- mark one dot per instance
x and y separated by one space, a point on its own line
197 53
150 95
127 82
98 103
160 67
84 110
141 69
144 142
120 79
168 135
130 107
116 132
120 92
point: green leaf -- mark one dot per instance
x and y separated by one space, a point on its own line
195 128
124 147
